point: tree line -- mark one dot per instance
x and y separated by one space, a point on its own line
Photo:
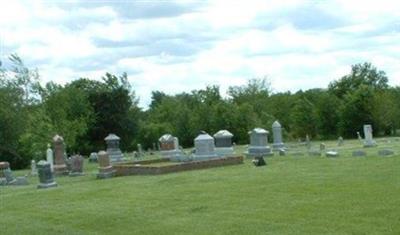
85 111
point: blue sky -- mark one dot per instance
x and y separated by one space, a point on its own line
179 46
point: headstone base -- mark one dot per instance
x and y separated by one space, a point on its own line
369 144
105 173
224 151
204 157
48 185
60 170
278 146
180 158
115 155
19 181
169 153
73 174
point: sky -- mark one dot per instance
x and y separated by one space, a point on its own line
180 46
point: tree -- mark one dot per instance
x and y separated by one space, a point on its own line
356 111
361 74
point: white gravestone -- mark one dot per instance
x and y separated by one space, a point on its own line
49 157
368 140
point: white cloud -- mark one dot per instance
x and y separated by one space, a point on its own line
221 43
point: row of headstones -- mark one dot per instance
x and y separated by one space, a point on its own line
46 174
220 145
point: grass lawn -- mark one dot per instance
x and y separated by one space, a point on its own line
291 195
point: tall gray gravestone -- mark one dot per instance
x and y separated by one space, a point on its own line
113 150
60 166
277 134
204 147
258 143
46 179
368 140
223 143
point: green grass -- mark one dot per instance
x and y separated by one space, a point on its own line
291 195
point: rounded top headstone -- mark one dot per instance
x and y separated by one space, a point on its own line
276 124
57 138
258 131
166 138
223 134
203 136
111 137
42 163
4 165
102 153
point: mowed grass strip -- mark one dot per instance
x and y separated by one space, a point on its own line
291 195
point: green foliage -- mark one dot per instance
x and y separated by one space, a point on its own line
85 111
361 74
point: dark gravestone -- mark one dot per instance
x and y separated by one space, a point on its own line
385 152
223 143
76 165
358 153
46 179
259 161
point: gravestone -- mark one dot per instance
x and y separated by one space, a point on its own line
46 179
3 166
259 161
50 157
204 147
68 163
385 152
223 143
359 137
322 147
258 143
105 168
308 142
93 157
368 141
282 152
140 150
76 165
113 150
170 148
332 154
314 153
33 168
358 153
11 180
60 167
154 147
277 134
340 141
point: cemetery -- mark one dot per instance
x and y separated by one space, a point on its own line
207 185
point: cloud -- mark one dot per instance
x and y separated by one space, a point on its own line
179 46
